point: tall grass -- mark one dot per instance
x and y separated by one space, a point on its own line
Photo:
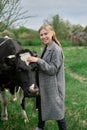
75 100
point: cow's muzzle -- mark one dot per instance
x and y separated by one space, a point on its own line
33 89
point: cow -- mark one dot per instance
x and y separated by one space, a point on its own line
16 72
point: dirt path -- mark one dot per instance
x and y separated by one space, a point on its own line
77 77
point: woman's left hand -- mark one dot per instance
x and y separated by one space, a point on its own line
32 59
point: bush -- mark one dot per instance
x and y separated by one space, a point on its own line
7 33
30 42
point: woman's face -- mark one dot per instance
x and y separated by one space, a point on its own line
46 36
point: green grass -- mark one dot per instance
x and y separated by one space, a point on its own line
16 121
76 92
76 60
75 101
75 104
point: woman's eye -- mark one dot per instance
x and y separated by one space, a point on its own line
41 35
45 33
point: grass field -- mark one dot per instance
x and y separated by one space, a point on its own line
76 87
75 101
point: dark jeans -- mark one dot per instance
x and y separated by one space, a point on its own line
62 124
41 124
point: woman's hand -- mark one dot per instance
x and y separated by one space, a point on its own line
32 59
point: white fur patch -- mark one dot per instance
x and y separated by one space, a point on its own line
24 57
32 87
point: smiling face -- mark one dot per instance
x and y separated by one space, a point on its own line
46 36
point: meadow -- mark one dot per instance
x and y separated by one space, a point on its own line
75 59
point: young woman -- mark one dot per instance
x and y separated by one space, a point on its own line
50 103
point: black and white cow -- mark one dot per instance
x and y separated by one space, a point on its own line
16 72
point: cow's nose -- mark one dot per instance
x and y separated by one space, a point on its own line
34 89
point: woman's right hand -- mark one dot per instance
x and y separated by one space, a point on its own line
32 59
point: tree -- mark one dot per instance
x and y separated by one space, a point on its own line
11 12
77 28
61 27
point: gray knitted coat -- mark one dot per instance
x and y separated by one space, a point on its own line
52 83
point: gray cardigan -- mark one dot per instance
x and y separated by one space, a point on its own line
52 83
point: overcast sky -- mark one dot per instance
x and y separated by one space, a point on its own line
73 10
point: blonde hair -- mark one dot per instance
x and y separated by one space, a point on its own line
49 28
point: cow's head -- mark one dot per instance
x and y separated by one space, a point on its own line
24 72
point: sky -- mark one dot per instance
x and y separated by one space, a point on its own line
74 11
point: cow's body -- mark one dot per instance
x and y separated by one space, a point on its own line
15 72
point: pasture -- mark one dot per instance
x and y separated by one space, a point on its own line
75 101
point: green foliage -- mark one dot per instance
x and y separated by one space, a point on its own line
7 33
66 31
26 36
30 42
62 28
2 27
21 30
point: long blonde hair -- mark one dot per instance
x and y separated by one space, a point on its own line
49 28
